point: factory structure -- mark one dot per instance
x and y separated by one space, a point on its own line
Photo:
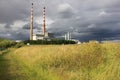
44 35
68 36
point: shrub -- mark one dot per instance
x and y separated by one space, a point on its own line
53 41
4 44
18 45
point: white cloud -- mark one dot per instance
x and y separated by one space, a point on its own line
103 13
39 20
2 25
92 26
64 7
8 34
18 24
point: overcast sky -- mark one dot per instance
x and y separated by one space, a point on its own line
85 19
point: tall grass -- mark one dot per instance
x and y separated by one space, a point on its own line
90 61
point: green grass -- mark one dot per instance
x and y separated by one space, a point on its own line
91 61
3 67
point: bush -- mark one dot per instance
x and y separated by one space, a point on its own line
46 42
4 44
18 45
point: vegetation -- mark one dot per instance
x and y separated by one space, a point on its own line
89 61
4 44
46 42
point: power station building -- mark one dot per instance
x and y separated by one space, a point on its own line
41 36
47 36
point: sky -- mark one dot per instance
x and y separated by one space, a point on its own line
84 19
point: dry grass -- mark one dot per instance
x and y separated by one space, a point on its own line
91 61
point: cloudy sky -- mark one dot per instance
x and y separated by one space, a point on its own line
85 19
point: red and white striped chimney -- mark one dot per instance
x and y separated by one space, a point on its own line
44 21
31 23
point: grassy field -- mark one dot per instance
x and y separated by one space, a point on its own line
91 61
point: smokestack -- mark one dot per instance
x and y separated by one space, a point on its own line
68 35
44 21
31 24
65 37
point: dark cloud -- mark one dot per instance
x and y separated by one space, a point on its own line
7 26
85 19
66 14
65 11
36 26
11 11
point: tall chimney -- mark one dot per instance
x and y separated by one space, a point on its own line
68 35
65 37
44 21
31 24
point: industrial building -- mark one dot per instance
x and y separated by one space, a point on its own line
44 35
47 36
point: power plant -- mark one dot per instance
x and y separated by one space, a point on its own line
40 36
68 36
43 35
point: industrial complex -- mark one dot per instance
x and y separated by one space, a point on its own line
44 35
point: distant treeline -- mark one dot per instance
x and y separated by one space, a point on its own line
5 43
47 42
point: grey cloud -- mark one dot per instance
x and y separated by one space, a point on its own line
7 26
15 35
36 26
65 11
79 14
11 11
66 14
